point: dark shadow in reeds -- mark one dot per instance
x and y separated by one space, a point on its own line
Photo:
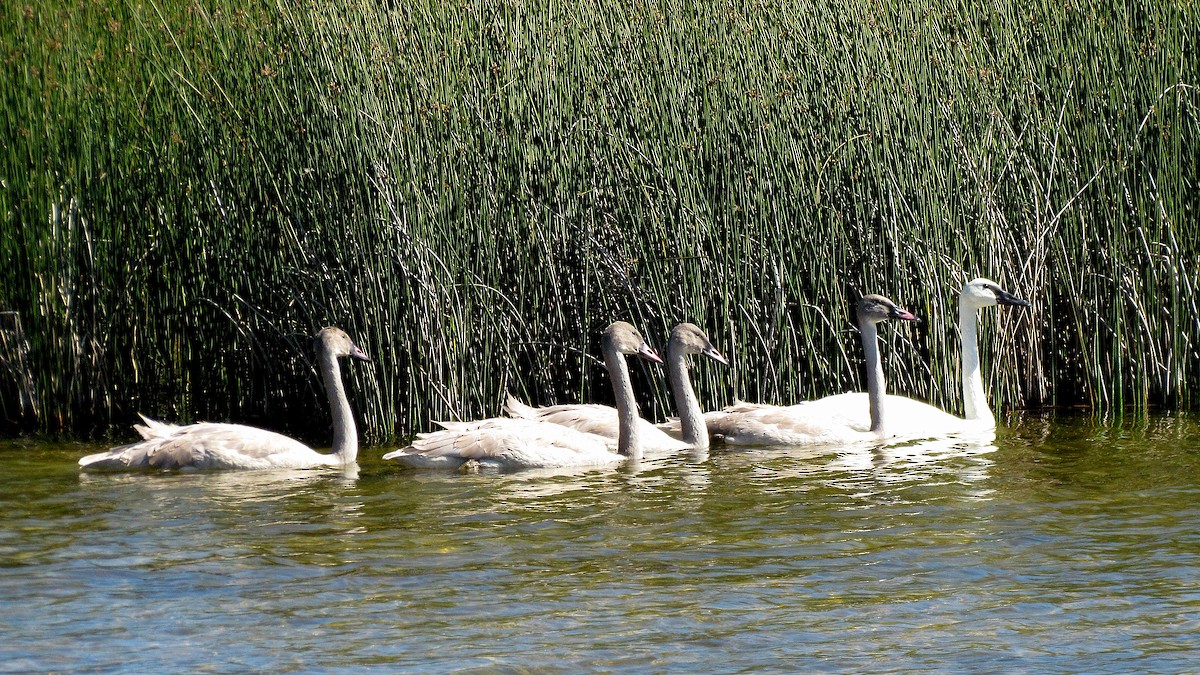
474 191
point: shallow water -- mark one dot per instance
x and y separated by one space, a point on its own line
1062 545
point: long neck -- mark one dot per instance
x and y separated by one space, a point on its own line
975 403
628 443
876 387
691 418
345 436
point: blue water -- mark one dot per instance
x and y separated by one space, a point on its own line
1063 545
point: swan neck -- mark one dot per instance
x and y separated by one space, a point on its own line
628 443
975 405
691 419
345 436
876 387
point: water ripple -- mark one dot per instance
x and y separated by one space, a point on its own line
1053 548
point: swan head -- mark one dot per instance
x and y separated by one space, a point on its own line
983 292
627 340
875 308
687 338
337 343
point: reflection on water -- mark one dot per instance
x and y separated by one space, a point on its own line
1056 544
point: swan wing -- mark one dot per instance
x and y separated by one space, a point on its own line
601 420
911 418
779 425
207 446
589 418
744 406
507 443
150 429
671 427
905 417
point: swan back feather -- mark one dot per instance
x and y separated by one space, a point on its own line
509 444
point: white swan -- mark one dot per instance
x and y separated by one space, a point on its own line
814 422
915 419
686 433
506 443
907 418
234 446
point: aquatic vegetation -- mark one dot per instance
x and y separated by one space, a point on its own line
474 190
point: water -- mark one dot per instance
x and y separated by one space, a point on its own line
1062 546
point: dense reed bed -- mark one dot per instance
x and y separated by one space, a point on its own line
473 190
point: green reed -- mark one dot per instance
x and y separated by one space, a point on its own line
473 190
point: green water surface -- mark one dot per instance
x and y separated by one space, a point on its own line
1064 545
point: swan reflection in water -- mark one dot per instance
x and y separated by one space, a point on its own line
960 457
231 497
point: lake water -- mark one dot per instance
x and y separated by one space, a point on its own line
1063 545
